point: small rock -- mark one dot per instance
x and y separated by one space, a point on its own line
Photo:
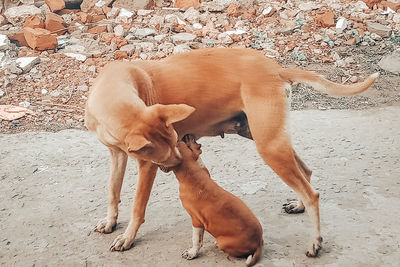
307 6
83 88
27 63
4 42
144 32
118 55
113 13
144 12
16 15
182 48
44 91
197 26
78 57
160 37
2 93
191 15
3 20
391 62
119 30
134 5
375 37
341 24
224 38
353 79
233 10
24 104
379 29
183 37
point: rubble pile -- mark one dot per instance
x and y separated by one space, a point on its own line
50 54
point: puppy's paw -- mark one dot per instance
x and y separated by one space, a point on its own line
105 226
293 206
315 248
121 243
189 254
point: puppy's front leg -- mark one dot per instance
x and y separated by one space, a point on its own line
197 238
117 172
147 173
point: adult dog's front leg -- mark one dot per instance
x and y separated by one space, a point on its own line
117 171
197 239
147 173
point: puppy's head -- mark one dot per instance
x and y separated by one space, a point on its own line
154 138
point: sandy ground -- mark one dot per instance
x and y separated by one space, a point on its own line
53 192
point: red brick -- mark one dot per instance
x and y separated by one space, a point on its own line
233 10
98 29
19 38
185 4
55 23
55 5
34 21
118 55
325 18
40 39
371 3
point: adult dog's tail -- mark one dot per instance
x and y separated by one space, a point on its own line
253 259
321 84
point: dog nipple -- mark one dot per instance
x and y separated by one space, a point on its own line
222 135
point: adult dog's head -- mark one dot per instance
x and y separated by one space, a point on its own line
153 137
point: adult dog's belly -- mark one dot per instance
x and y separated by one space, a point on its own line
199 126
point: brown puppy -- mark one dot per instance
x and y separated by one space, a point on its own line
223 215
131 109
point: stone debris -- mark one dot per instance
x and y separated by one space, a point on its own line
17 15
27 63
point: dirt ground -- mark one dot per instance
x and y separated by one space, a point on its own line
53 192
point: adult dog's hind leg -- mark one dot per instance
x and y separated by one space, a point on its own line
266 118
297 206
117 172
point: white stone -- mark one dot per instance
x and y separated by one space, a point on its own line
191 15
16 15
224 38
119 30
44 91
113 13
144 32
307 6
197 26
237 32
182 48
78 57
24 104
183 37
125 13
391 62
160 37
145 46
341 24
27 63
144 12
1 93
83 88
4 42
267 11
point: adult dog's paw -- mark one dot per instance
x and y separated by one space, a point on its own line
315 248
122 243
105 226
189 254
293 206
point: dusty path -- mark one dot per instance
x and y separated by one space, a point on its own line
53 191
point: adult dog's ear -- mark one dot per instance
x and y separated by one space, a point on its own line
136 142
173 113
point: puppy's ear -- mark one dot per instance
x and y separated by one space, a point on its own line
136 142
173 113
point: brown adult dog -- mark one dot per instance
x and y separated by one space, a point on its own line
131 109
223 215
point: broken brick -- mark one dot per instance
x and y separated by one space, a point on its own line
55 24
97 29
233 10
185 4
118 55
325 18
33 21
19 38
40 39
55 5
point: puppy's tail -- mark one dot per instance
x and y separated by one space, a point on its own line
321 84
253 259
